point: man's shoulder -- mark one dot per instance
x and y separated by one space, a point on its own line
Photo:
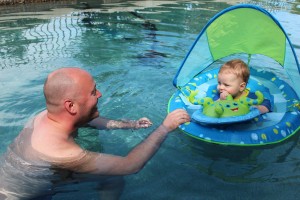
51 141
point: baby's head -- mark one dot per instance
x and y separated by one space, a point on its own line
238 68
233 77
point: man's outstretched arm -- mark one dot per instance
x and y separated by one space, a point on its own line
106 164
104 123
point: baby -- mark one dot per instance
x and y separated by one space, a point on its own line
232 79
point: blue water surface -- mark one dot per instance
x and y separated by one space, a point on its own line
133 50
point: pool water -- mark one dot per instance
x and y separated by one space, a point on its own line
133 50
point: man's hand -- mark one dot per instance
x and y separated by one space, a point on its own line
175 118
142 123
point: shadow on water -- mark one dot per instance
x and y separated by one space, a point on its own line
249 164
151 36
149 29
238 153
146 34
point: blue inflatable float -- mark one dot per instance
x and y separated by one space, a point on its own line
253 35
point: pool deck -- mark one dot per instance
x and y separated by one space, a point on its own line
17 2
16 6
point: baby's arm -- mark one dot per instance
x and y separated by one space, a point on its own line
263 109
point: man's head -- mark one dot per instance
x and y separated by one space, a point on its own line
72 91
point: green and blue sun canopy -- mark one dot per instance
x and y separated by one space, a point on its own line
240 30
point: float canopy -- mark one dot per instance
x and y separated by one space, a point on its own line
242 31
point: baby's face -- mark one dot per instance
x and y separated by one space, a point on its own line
230 83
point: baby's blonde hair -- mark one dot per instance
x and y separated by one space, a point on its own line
237 67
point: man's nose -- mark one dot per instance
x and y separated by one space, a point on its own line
99 94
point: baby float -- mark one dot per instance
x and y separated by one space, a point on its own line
249 33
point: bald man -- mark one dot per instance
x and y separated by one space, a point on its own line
45 153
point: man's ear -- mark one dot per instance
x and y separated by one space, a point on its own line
70 107
242 86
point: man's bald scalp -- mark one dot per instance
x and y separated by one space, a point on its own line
59 86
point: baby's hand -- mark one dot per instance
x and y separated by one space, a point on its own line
142 123
223 95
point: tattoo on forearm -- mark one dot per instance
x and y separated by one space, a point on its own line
112 124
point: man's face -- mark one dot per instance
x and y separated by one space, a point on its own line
88 101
